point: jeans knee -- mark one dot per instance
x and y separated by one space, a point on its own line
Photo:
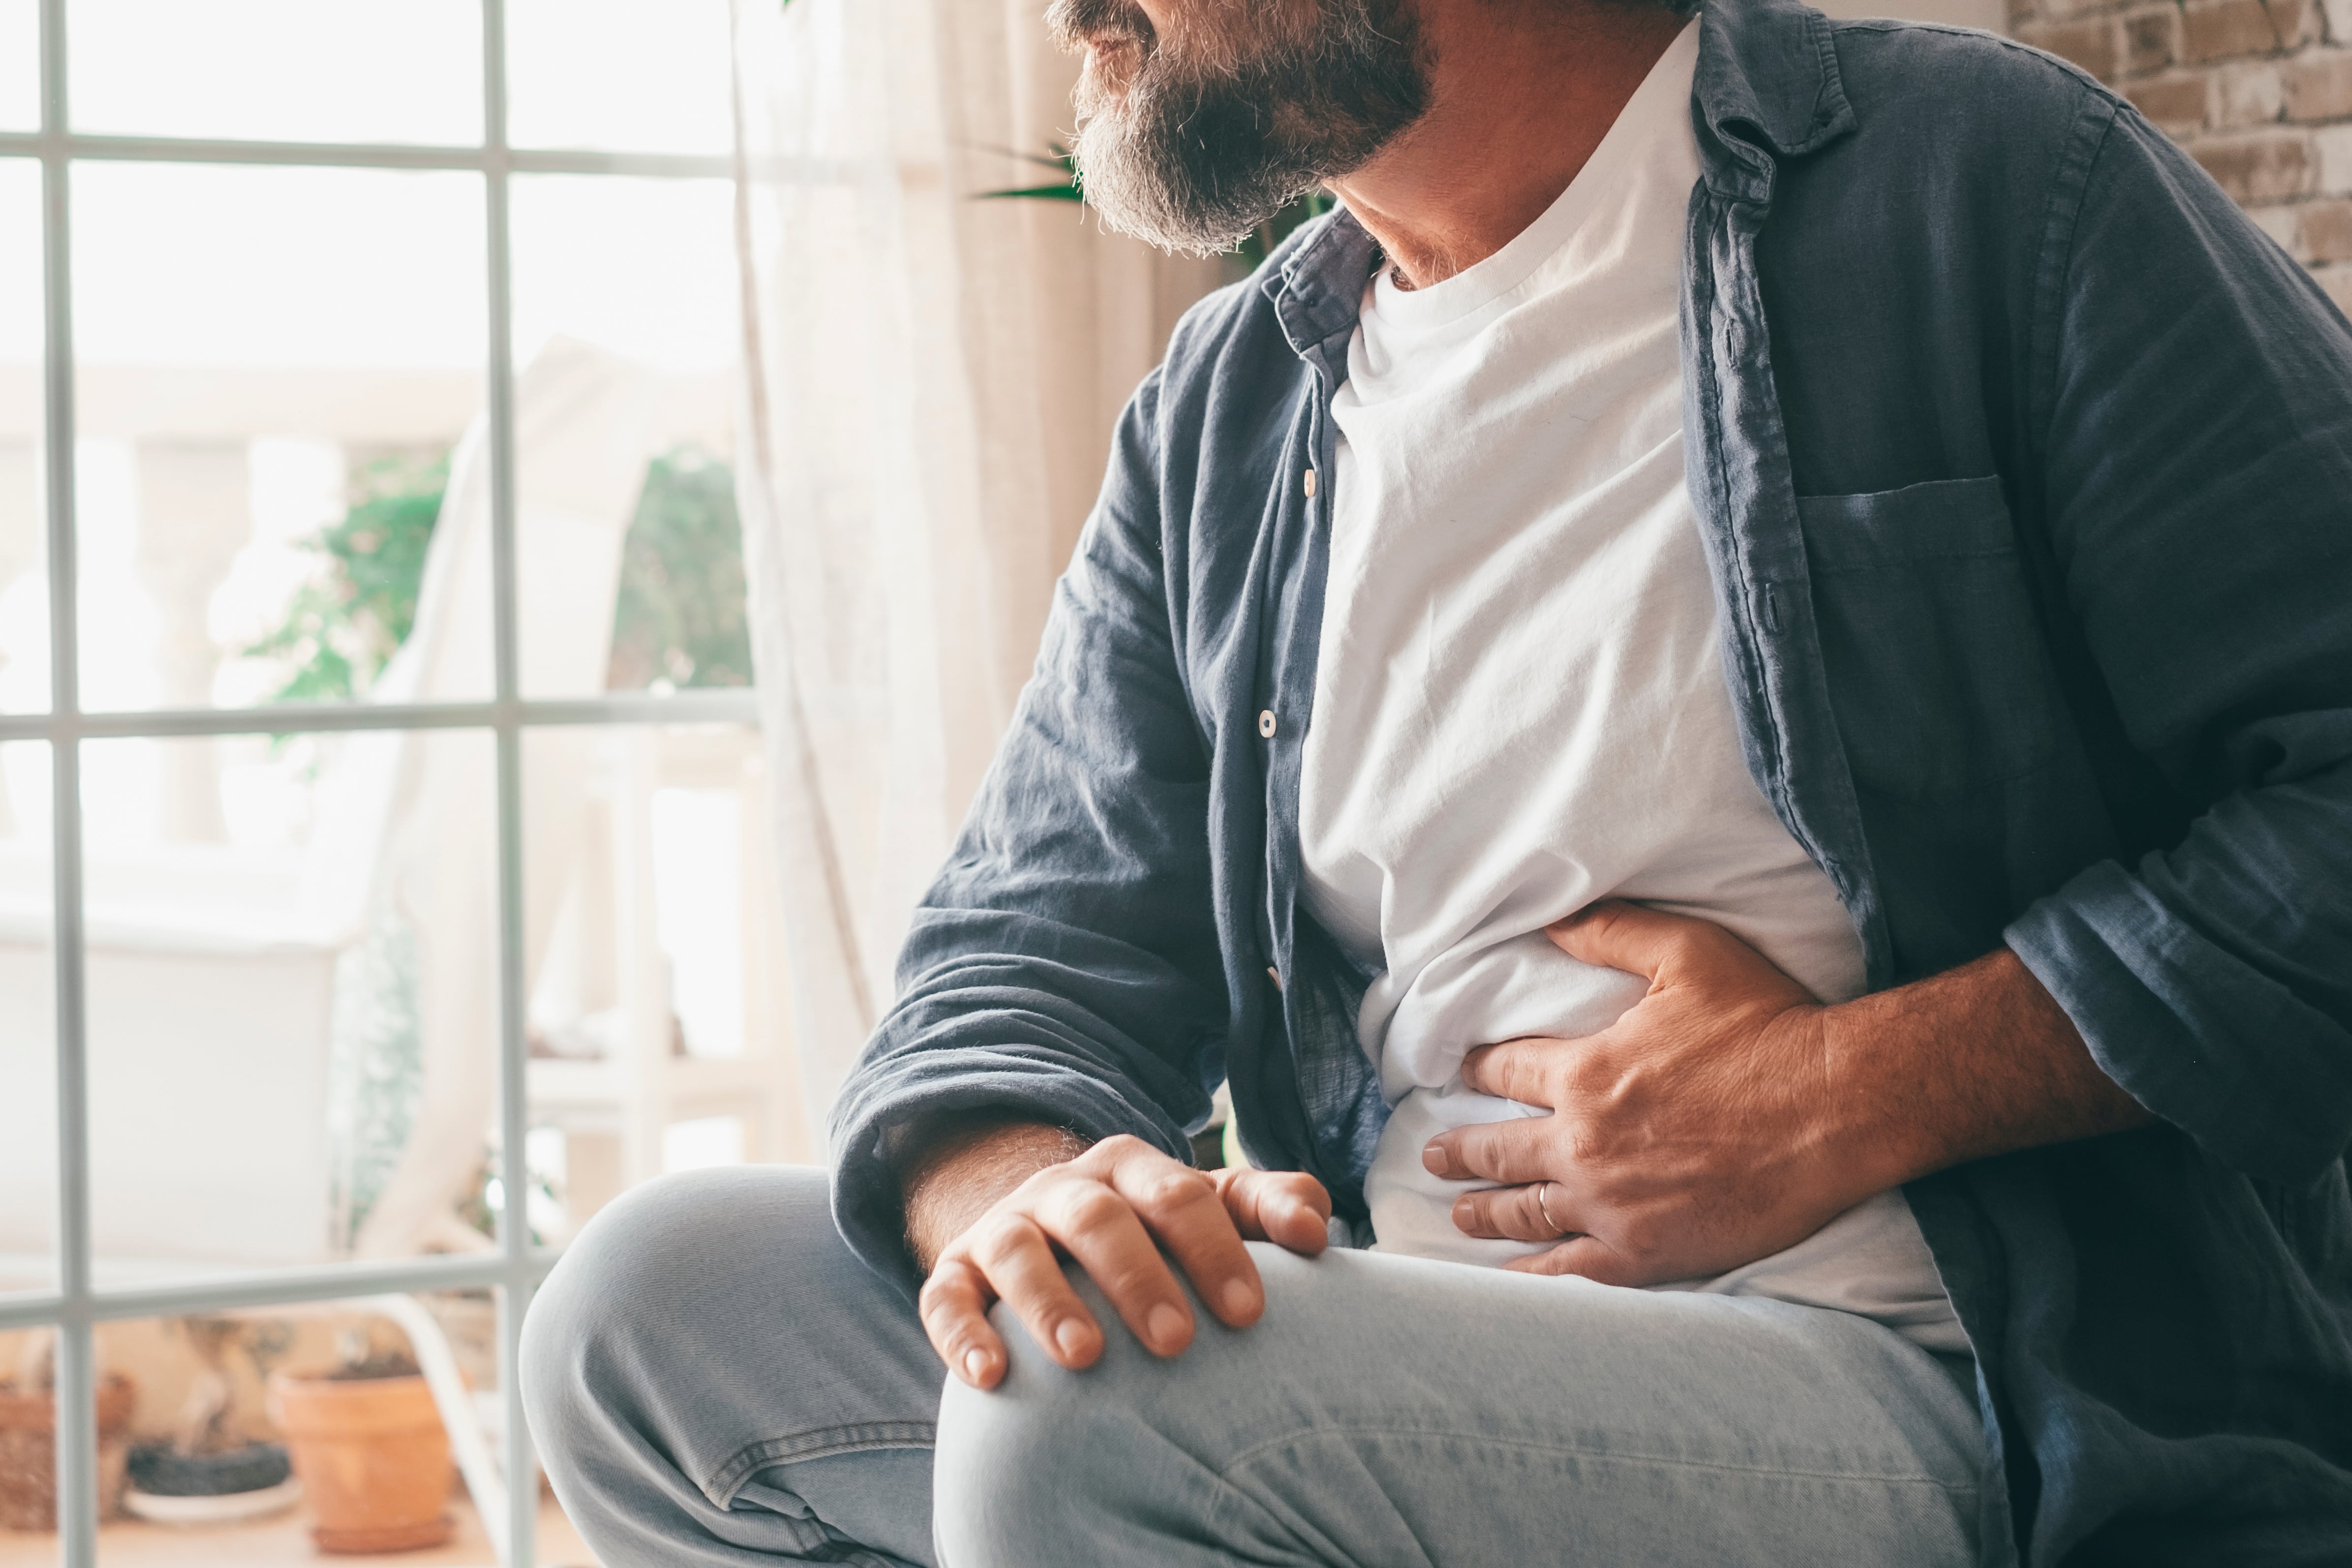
1125 1461
1002 1472
1040 1468
622 1299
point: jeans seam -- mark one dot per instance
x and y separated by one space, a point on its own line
1224 1496
1224 1471
823 1442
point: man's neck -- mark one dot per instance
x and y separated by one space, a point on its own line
1521 93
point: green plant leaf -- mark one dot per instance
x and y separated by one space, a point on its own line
1058 158
1034 194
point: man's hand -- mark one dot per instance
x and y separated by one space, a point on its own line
1728 1114
1691 1136
1114 1207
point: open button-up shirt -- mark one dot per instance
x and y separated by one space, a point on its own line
2024 468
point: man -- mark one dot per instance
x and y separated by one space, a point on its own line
1733 691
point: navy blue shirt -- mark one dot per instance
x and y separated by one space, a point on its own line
2023 463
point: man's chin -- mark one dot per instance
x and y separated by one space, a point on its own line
1145 189
1171 230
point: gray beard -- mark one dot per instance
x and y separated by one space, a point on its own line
1190 158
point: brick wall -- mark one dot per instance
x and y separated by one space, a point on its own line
2260 91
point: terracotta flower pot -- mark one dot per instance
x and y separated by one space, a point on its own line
373 1459
28 1453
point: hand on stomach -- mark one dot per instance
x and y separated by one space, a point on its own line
1411 1208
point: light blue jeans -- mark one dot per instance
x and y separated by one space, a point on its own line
714 1379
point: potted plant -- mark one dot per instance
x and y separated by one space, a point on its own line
28 1439
369 1450
209 1470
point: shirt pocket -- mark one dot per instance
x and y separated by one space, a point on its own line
1938 675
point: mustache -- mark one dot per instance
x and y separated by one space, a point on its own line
1074 23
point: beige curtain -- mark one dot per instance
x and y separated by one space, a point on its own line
932 383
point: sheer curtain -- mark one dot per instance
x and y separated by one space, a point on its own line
931 380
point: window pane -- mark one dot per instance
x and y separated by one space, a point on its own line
659 1030
20 65
625 339
282 70
247 1401
28 1027
619 75
278 370
23 577
293 1001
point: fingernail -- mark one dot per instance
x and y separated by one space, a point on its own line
1433 1156
1166 1325
1239 1299
975 1366
1071 1335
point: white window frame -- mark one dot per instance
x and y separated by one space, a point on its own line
77 1305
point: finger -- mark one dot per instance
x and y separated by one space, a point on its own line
1022 1269
1181 1207
1099 1229
1516 1214
1509 1154
1289 1208
1586 1257
1615 934
953 1307
1519 1070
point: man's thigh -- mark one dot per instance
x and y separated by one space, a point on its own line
1392 1411
713 1378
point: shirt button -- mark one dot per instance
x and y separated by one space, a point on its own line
1265 723
1310 484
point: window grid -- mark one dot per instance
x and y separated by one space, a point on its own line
515 1269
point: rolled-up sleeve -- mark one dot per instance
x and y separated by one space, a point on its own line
1065 965
2198 463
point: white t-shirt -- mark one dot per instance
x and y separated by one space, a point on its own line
1520 706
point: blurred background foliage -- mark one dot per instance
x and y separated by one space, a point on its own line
355 611
679 619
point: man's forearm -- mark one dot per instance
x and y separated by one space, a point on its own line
1977 1061
955 1167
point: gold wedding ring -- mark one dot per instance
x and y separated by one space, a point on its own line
1557 1228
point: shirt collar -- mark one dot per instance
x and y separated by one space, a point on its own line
1767 82
1316 280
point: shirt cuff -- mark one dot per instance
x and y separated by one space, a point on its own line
865 1200
2260 1079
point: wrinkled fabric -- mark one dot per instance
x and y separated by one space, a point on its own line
2025 465
702 1403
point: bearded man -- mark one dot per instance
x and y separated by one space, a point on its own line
1726 703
